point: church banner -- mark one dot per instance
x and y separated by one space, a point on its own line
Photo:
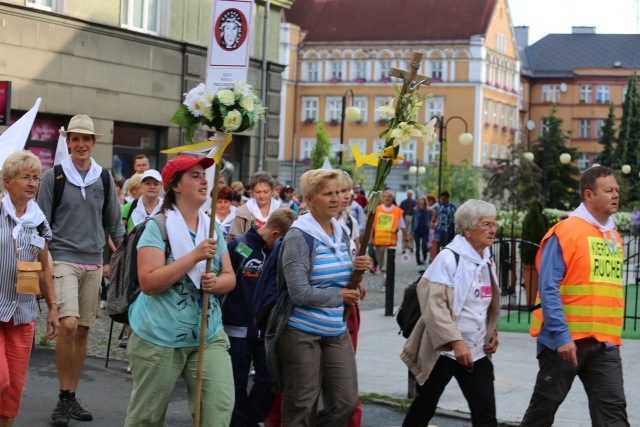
230 42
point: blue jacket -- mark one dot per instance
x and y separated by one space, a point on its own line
237 305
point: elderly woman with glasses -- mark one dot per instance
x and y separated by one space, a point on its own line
24 233
456 334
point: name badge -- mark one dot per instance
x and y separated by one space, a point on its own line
243 250
486 291
37 241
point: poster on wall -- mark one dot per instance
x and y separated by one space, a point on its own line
5 102
229 44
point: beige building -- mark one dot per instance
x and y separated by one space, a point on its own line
334 48
125 63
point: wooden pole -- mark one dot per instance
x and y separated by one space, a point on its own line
356 278
205 303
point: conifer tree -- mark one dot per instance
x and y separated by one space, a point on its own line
607 140
630 115
322 149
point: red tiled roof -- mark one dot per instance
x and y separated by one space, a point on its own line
390 20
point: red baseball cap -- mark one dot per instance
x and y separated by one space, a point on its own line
182 163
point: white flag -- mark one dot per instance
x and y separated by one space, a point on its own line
62 151
327 164
15 138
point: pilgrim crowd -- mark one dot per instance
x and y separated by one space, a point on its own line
303 349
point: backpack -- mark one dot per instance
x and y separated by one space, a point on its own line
409 312
266 294
58 188
124 286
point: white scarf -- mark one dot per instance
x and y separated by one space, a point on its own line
582 213
181 242
309 225
32 217
140 214
230 217
73 176
252 205
470 266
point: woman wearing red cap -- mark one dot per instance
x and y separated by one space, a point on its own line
165 318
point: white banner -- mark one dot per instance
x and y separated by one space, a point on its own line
230 42
62 151
15 138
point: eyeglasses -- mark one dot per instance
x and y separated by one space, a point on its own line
489 225
27 178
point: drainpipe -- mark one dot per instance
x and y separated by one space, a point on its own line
263 86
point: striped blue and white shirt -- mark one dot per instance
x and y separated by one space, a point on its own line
19 306
327 272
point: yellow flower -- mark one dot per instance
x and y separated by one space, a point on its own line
429 132
388 152
387 111
232 121
226 97
403 133
247 103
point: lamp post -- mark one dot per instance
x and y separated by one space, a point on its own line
465 139
418 170
352 114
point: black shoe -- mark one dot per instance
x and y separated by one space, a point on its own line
60 416
77 412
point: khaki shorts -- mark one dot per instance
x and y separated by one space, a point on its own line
77 292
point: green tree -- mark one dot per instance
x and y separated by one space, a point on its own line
464 181
628 123
559 187
607 140
322 149
513 182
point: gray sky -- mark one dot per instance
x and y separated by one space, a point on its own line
558 16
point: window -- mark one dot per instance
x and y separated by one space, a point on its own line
503 152
141 15
494 151
496 105
436 70
602 93
379 101
334 109
385 66
485 153
378 144
488 72
312 71
486 112
433 153
512 117
501 43
306 147
521 97
361 70
336 70
599 124
503 119
585 94
550 93
362 146
409 151
624 92
584 128
544 126
435 107
310 108
583 162
42 4
362 103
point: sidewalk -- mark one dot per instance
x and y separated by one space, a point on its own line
381 371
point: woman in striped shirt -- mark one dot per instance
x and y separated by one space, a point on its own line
24 232
314 348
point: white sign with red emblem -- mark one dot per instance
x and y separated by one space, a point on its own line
230 42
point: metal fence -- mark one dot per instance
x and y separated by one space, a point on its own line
518 296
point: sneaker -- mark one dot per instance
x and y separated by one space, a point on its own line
383 288
123 342
103 305
77 412
60 416
373 269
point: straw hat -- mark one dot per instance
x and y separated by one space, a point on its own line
80 124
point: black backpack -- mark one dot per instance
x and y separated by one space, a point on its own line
409 312
124 286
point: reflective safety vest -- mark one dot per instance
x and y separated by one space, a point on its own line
386 226
591 290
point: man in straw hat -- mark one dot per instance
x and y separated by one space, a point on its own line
79 200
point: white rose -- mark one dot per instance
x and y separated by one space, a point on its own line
232 121
226 97
247 103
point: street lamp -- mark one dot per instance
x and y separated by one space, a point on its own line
352 114
417 170
465 139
